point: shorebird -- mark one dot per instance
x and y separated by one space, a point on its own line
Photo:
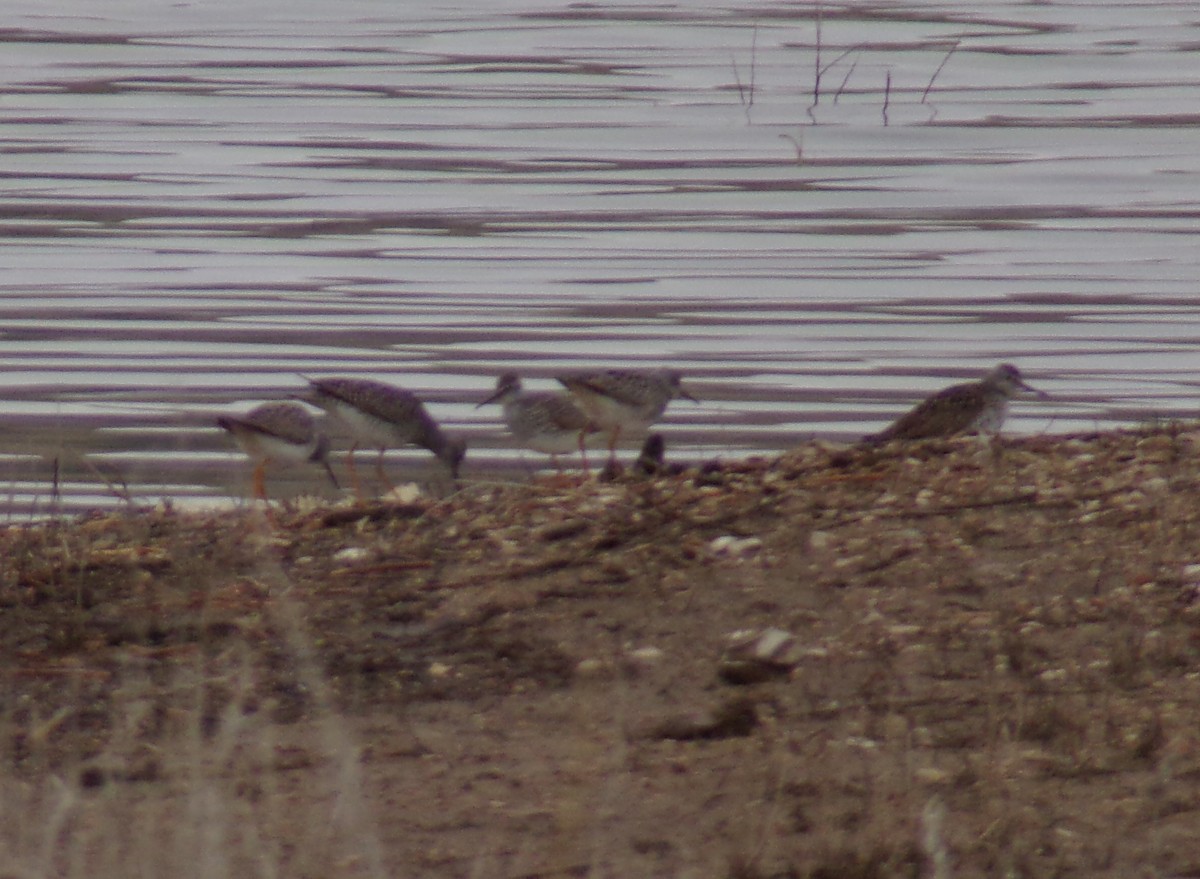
545 421
625 400
278 432
383 416
974 407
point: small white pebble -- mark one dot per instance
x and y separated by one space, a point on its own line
737 547
933 775
590 668
352 554
861 742
720 545
771 641
407 493
746 546
647 655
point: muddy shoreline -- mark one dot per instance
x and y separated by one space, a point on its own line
985 655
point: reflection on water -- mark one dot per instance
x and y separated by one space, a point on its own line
199 210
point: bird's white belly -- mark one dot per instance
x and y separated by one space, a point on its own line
991 419
608 413
366 430
556 443
261 448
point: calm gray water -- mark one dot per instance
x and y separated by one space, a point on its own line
203 201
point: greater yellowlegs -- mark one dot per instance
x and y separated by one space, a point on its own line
625 400
544 421
973 407
383 416
281 433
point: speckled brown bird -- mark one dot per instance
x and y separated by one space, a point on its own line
544 421
279 433
973 407
383 416
625 400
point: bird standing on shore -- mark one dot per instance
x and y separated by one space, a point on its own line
383 416
624 400
546 422
280 433
973 407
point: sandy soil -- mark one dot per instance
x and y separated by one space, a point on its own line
941 660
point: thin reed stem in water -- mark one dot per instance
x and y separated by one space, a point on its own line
929 86
887 95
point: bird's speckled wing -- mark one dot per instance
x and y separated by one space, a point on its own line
286 421
385 402
627 388
948 412
558 411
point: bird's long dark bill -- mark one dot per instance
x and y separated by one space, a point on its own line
1041 395
492 399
